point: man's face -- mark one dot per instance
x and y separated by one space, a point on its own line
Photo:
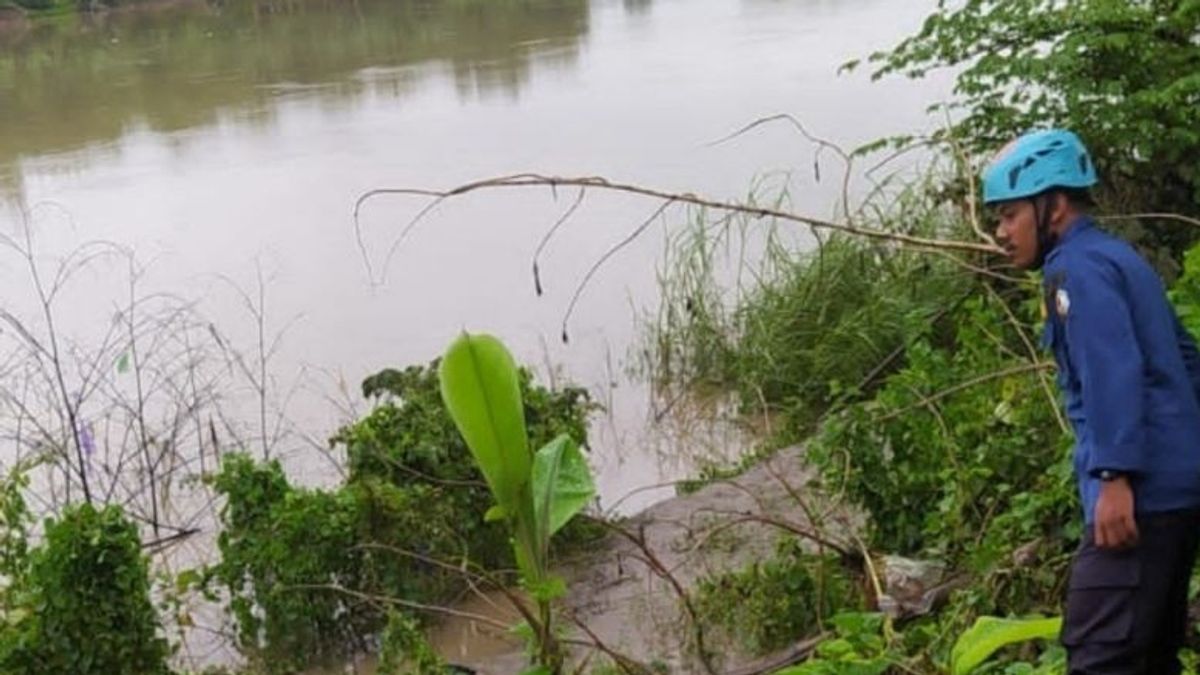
1017 232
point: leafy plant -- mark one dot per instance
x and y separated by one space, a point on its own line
1122 74
409 439
812 328
300 567
1185 293
772 603
933 461
405 651
857 647
88 608
536 493
990 634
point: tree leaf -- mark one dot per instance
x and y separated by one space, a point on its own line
481 390
990 633
562 485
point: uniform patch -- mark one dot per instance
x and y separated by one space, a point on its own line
1062 303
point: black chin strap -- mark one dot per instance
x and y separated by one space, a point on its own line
1045 239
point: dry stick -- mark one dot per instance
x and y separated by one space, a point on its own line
792 655
655 564
604 258
1000 374
972 205
409 604
638 490
813 520
1033 356
787 526
56 365
584 663
529 179
537 277
1158 216
471 576
976 269
156 545
821 143
626 664
140 410
362 247
261 318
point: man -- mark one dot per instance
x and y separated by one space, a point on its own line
1129 374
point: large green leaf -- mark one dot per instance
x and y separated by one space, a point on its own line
482 392
562 485
990 634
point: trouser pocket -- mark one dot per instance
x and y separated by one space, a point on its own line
1100 596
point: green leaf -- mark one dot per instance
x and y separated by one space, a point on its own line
523 630
991 633
550 588
494 514
186 580
562 485
481 390
123 363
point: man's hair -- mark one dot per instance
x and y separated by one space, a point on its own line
1080 198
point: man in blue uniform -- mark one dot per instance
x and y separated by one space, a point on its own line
1130 376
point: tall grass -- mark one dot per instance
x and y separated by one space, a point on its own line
793 322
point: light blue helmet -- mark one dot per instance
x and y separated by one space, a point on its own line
1036 162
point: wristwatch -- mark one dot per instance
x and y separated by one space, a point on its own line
1107 475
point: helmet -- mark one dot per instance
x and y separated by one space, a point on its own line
1036 162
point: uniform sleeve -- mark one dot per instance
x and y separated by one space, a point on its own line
1107 360
1191 356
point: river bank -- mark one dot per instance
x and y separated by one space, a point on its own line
625 591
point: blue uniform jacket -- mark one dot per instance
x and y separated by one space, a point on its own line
1128 370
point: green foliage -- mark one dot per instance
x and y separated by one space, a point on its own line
409 439
773 603
480 388
1125 75
810 329
990 634
405 651
88 595
1185 293
535 495
15 520
857 647
562 485
933 461
286 552
299 566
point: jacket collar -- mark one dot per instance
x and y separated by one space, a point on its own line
1076 229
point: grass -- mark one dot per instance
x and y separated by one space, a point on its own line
795 326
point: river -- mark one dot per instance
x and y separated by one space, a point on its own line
225 144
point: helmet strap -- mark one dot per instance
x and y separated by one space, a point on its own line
1045 238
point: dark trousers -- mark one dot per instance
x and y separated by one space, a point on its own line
1127 610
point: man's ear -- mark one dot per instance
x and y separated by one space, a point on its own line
1061 209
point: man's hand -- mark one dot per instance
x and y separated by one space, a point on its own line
1115 526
